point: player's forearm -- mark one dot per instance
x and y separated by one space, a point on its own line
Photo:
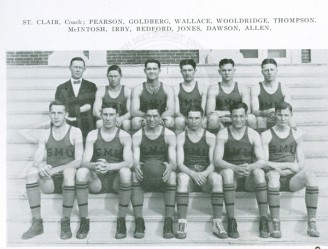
74 164
89 165
221 164
183 168
259 164
120 165
281 166
209 170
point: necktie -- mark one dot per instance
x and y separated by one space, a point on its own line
76 81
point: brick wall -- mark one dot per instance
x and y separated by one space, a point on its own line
306 55
28 57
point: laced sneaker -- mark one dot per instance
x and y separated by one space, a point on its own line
232 228
84 228
218 229
182 229
264 228
34 230
168 228
139 231
65 228
120 228
276 233
312 228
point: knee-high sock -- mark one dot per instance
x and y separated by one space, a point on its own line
229 199
217 204
34 199
137 199
182 202
124 196
82 192
311 201
274 202
169 200
68 200
261 192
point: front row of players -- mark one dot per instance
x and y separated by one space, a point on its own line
237 159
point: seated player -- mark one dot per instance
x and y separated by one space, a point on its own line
114 93
154 142
224 94
58 155
266 94
285 168
239 156
152 92
105 169
195 149
188 93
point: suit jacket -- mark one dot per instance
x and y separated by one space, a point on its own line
87 94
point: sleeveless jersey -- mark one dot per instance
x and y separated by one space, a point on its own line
120 100
158 99
196 153
59 152
238 151
282 149
111 151
267 100
193 98
153 149
224 100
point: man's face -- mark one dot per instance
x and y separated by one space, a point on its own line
114 78
227 72
194 120
269 72
77 68
152 71
283 117
152 118
238 118
188 73
58 115
108 116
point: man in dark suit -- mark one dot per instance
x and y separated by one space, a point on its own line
79 96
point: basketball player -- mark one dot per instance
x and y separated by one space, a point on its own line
285 165
154 142
58 155
187 93
266 94
152 92
114 93
239 156
195 149
105 168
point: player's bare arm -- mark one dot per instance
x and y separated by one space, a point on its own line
255 139
171 165
255 92
245 96
210 140
170 107
212 93
40 156
135 102
88 152
177 102
98 102
136 141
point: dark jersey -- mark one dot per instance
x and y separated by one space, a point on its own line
60 152
238 151
266 100
282 149
120 100
193 98
157 99
196 153
111 151
224 100
153 149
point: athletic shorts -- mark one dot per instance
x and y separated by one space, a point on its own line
58 183
154 186
241 182
284 182
107 182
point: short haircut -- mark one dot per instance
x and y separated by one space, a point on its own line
56 102
238 105
195 108
77 59
190 62
153 106
269 61
152 61
106 104
283 106
114 68
226 61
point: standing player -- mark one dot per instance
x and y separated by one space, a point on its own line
152 92
154 142
224 94
58 155
267 94
188 93
105 168
195 149
285 163
78 95
114 93
239 155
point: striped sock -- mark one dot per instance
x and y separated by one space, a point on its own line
137 199
229 199
34 199
182 203
68 200
274 202
169 200
217 204
82 192
124 196
262 198
311 200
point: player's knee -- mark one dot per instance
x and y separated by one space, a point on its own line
213 121
251 121
227 175
183 180
82 175
47 189
136 123
172 180
169 122
126 125
215 179
273 179
125 176
69 176
99 123
180 124
310 178
259 175
32 175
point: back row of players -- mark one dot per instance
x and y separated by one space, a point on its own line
237 158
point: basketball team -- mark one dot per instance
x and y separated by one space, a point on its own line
218 140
